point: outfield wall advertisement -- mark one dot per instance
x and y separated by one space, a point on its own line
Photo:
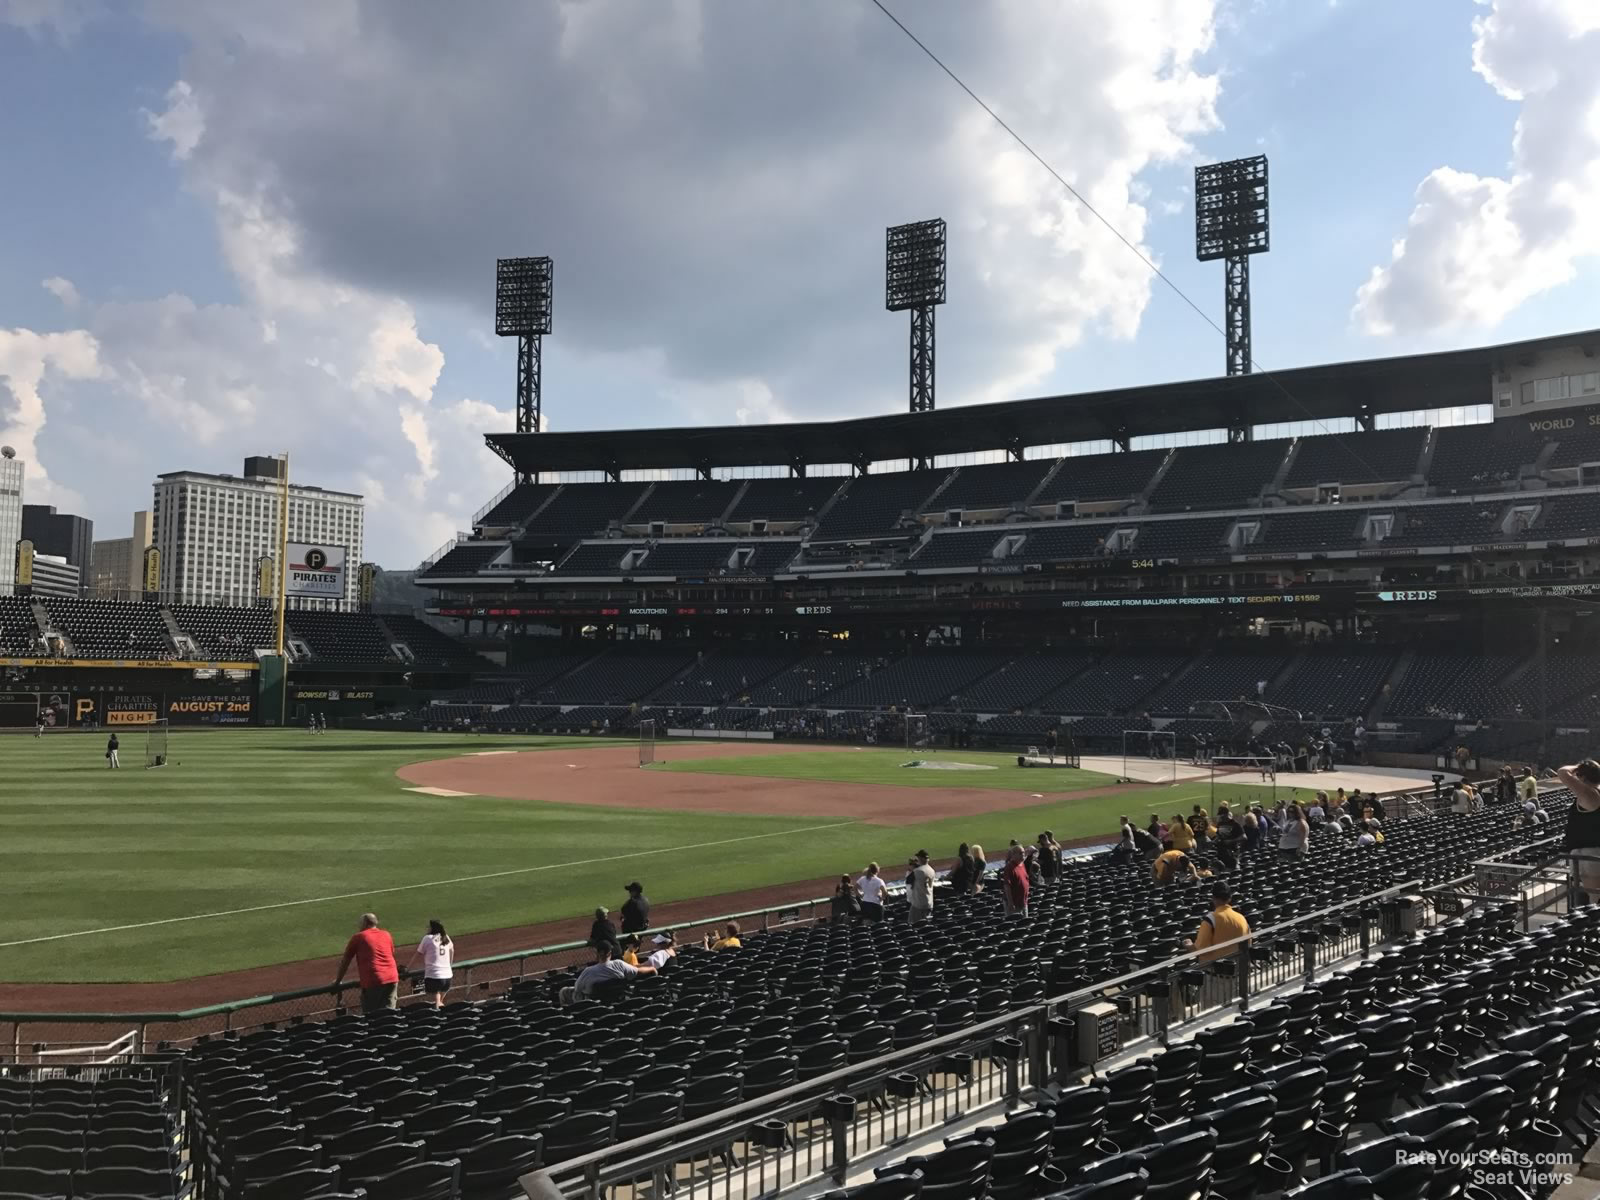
107 708
316 571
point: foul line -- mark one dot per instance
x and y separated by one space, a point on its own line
411 887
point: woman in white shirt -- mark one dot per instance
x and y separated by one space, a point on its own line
438 953
872 888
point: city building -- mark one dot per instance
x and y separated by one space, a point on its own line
213 531
53 575
60 534
11 472
118 563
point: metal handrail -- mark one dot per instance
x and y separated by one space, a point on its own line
477 517
633 1158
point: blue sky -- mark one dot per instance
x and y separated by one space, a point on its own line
279 228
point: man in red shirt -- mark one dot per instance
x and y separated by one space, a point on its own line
1015 878
373 950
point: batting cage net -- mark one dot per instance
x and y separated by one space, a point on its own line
917 732
155 744
647 742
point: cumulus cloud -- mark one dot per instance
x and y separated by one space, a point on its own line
712 180
180 123
62 289
26 360
1477 246
705 195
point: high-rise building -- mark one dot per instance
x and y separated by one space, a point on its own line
53 576
117 570
59 534
214 530
10 517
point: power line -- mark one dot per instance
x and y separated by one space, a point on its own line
1115 232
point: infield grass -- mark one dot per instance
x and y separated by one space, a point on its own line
147 871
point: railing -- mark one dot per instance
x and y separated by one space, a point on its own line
815 1128
450 545
477 517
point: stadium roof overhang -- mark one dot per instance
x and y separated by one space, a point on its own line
1360 390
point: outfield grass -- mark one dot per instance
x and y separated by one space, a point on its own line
889 766
246 819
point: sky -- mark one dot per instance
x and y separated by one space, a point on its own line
234 228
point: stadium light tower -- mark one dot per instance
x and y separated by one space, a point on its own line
914 281
522 304
1230 222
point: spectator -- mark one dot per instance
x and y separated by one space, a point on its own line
1230 833
1030 864
963 876
1049 855
373 951
635 909
1127 848
1506 787
1292 837
1317 813
846 904
604 933
980 867
605 974
919 888
438 953
871 887
1369 835
729 939
1180 834
1221 924
630 949
1583 822
666 949
1146 846
1156 829
1252 830
1016 883
1527 786
1172 865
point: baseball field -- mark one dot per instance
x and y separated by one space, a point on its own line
257 847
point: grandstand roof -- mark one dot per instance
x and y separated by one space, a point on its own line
1351 389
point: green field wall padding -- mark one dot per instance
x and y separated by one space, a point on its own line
269 700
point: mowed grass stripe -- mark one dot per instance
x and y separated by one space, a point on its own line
249 817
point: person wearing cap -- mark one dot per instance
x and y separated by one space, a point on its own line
919 888
635 909
1222 924
666 949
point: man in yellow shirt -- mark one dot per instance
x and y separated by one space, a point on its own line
729 939
1221 924
1172 865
